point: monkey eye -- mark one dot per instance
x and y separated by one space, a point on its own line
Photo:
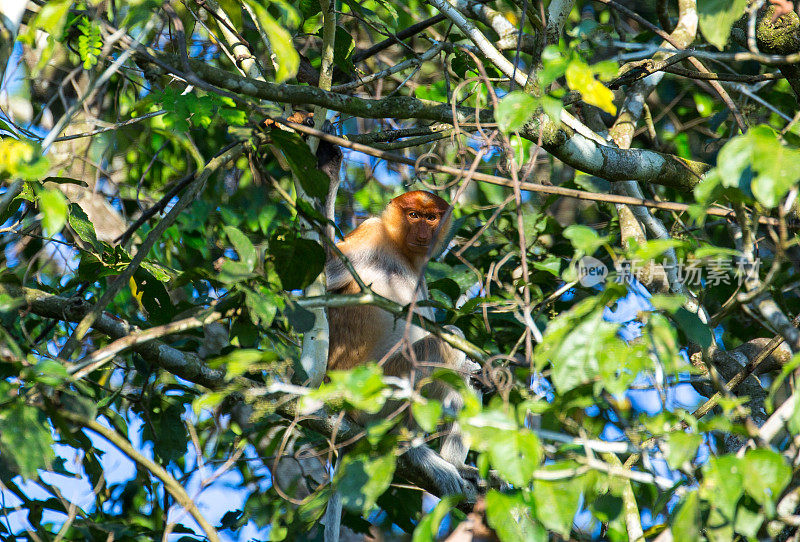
413 214
431 218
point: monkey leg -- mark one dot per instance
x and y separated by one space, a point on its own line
431 352
449 478
454 447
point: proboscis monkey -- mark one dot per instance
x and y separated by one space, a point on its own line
388 253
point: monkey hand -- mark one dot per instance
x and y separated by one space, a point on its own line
470 476
460 480
427 469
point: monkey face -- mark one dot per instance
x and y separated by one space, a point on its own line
422 227
414 221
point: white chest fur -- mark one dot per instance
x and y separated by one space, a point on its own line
388 276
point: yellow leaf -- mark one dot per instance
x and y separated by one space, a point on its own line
136 293
580 77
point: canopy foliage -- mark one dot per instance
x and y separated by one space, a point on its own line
623 263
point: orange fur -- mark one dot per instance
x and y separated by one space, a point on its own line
394 245
388 253
403 231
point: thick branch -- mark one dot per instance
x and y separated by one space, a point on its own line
568 146
183 364
190 367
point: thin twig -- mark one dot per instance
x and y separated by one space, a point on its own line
503 181
170 484
154 235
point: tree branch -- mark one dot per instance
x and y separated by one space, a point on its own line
190 367
564 143
155 234
170 484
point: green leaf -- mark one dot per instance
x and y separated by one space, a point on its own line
50 372
717 18
557 502
155 297
607 507
51 18
757 164
427 414
79 221
209 401
515 455
584 238
777 166
309 8
165 429
695 330
551 264
363 479
766 474
749 517
514 110
710 251
717 527
241 360
552 108
482 426
78 404
447 286
686 522
243 246
681 447
301 319
231 272
616 376
555 61
362 388
704 104
25 438
90 42
652 249
302 162
428 528
723 483
706 190
511 518
186 110
573 345
263 305
342 47
54 206
160 272
297 261
669 303
284 53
